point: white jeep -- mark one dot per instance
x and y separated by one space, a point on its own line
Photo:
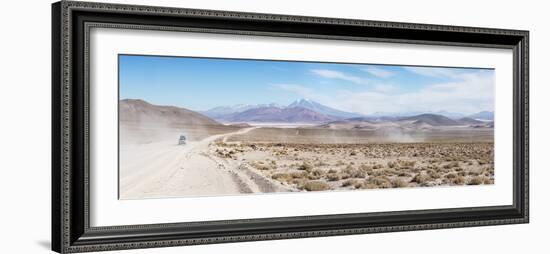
182 140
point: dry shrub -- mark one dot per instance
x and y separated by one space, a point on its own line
305 166
380 182
313 177
415 170
392 164
408 164
344 176
282 177
333 177
435 175
473 173
315 174
298 181
451 165
359 174
321 164
346 169
459 180
476 180
377 166
359 185
421 178
403 174
390 172
443 170
353 172
349 182
299 174
398 183
365 168
451 176
316 186
262 167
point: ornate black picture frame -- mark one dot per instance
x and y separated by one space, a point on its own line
71 230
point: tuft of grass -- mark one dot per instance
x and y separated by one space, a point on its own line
421 178
333 177
435 175
349 182
403 174
365 168
299 174
459 180
380 182
377 166
282 177
359 185
316 186
398 183
451 176
298 181
315 174
451 165
408 164
305 166
476 180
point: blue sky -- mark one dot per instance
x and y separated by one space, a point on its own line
204 83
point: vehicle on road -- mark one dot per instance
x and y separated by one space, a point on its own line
182 140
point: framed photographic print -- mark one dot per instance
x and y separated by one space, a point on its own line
181 126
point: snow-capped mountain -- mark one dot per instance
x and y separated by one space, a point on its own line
319 108
279 115
302 110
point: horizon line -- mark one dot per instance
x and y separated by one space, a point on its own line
379 113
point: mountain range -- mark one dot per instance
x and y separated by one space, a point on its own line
483 115
308 111
421 121
299 111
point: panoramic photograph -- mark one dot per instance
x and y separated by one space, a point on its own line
191 126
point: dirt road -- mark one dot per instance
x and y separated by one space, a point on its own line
165 169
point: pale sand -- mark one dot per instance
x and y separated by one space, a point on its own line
165 169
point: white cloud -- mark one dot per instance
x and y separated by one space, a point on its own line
385 88
472 93
297 89
338 75
378 72
465 93
434 72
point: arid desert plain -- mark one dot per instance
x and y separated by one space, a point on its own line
231 158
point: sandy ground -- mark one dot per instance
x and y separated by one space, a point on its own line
319 167
230 160
165 169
